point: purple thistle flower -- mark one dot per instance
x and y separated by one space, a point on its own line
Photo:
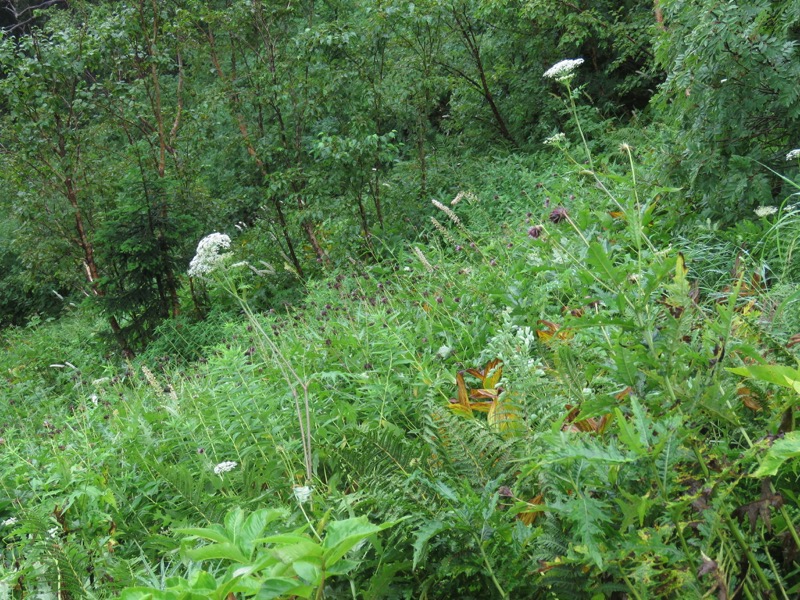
559 214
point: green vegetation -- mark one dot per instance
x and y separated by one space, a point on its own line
373 300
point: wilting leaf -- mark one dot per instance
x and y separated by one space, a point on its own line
761 507
504 417
748 398
529 516
550 330
462 402
592 424
490 374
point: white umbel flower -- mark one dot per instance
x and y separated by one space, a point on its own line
302 493
555 140
793 154
209 254
765 211
563 70
224 467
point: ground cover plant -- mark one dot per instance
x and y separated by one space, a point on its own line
638 437
508 373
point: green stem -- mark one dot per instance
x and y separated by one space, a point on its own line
746 589
489 568
631 589
774 568
321 589
580 129
751 558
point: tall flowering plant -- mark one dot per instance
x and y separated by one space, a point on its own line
213 262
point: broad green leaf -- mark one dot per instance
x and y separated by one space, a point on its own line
777 374
226 551
341 536
303 548
202 580
309 571
247 586
424 535
343 566
233 521
254 526
141 593
783 450
276 587
215 533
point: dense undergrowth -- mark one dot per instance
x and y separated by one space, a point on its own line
417 353
559 390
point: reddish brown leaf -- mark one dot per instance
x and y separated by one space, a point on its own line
748 398
528 517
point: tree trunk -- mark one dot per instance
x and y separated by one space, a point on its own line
90 265
235 102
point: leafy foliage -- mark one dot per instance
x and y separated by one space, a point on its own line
637 366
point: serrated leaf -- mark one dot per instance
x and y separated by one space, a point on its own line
785 449
627 435
424 535
597 257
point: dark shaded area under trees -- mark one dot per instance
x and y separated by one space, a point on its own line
132 129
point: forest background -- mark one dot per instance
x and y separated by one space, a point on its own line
415 226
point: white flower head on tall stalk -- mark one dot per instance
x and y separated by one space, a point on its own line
793 154
556 140
564 70
224 467
209 254
302 493
766 211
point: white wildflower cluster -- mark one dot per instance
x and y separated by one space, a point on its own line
302 493
515 345
224 467
526 337
10 521
563 70
765 211
793 154
209 254
556 140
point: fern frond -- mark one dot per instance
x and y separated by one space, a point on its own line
467 449
371 457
